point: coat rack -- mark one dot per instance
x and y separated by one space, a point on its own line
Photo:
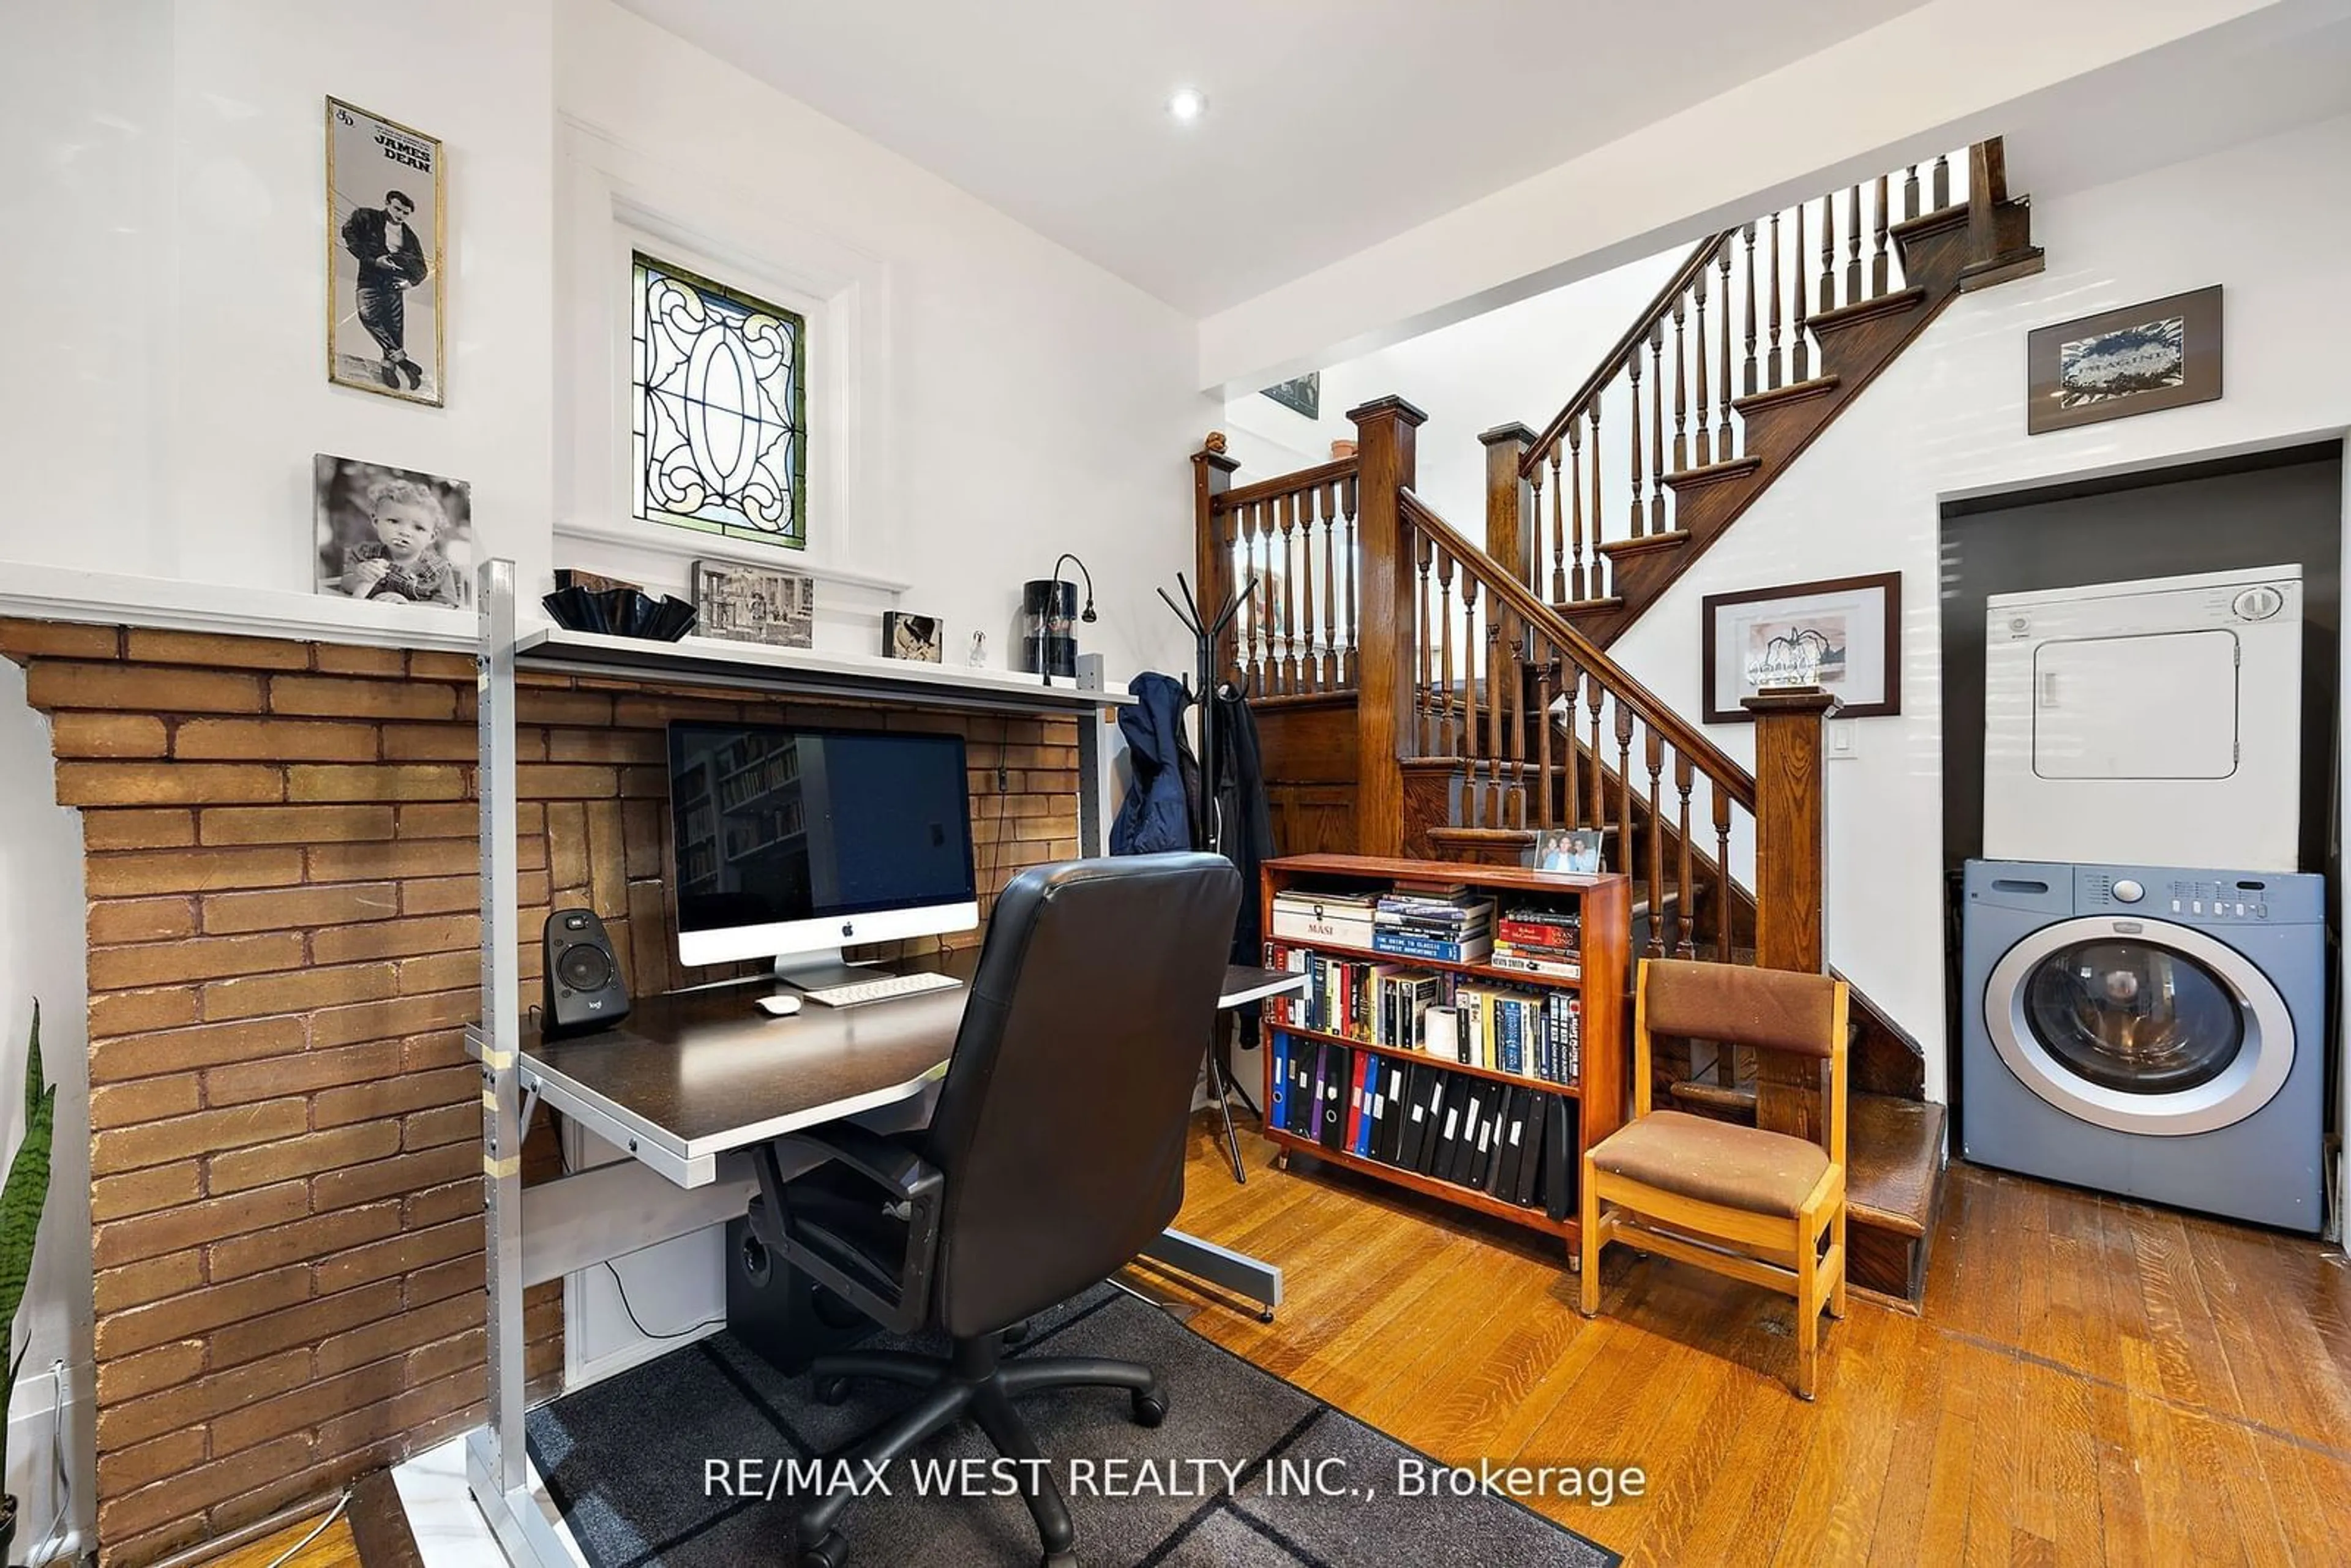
1200 688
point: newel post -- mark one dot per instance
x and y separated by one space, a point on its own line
1513 523
1384 466
1790 879
1212 476
1999 234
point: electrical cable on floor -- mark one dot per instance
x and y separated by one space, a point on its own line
56 1535
681 1334
333 1514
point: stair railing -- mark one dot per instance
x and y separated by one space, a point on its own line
1294 537
1731 328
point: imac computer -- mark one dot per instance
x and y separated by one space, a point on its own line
793 843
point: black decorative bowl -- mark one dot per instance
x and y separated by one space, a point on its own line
621 612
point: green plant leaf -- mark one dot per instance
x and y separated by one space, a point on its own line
33 1078
23 1196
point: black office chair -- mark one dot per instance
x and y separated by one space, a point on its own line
1055 1153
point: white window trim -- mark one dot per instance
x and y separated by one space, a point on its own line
616 202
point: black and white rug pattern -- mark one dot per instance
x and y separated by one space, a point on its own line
653 1467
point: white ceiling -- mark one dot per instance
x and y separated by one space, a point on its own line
1333 124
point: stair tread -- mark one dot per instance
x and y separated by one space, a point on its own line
1885 304
1714 473
1894 1155
1928 223
1590 606
1641 545
1792 391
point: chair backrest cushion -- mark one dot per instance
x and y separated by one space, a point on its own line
1772 1010
1061 1127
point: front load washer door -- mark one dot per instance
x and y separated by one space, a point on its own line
2139 1025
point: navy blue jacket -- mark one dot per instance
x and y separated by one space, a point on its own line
1158 813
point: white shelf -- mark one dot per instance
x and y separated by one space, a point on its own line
803 670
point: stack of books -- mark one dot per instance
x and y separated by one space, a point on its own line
1537 941
1342 919
1449 922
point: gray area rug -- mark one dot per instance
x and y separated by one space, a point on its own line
628 1461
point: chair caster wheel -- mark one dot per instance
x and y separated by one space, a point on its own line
830 1553
1266 1316
1150 1409
833 1390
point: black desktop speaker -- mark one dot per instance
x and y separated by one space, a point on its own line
584 991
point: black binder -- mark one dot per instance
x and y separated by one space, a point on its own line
1304 1116
1510 1127
1412 1151
1527 1187
1446 1132
1475 1098
1395 1079
1338 1086
1560 1177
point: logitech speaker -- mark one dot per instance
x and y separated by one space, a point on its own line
584 991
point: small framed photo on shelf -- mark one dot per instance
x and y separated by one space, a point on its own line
915 637
754 604
1567 849
1842 633
386 294
2136 360
378 532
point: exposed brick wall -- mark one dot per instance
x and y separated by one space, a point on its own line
284 935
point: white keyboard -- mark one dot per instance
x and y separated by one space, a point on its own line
888 987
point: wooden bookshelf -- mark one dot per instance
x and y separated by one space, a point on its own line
1603 903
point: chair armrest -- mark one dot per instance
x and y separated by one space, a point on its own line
895 1170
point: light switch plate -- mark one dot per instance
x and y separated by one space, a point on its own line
1840 739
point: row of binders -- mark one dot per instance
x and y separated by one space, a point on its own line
1512 1141
1453 1018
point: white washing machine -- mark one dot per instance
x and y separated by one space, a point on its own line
2124 719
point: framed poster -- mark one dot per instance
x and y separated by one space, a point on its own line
1845 635
755 604
2136 360
386 301
380 532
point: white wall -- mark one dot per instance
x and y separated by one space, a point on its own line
160 413
1517 365
41 926
1033 403
1844 114
1946 419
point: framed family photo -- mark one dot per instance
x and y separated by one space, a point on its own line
1843 633
2136 360
386 294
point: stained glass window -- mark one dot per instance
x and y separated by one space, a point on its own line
721 433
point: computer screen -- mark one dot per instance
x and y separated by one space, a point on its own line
792 838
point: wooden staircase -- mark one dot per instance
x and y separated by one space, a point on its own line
1418 694
1765 340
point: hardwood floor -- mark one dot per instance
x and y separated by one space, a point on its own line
2090 1381
335 1548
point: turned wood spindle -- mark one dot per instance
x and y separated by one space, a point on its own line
1655 757
1684 944
1543 730
1911 192
1596 584
1878 264
1575 506
1624 798
1310 670
1657 426
1533 553
1289 513
1853 245
1828 254
1326 497
1703 445
1746 374
1347 494
1942 181
1559 527
1722 436
1428 698
1470 647
1594 696
1444 654
1722 882
1571 686
1800 368
1633 369
1681 383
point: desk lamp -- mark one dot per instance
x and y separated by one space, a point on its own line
1048 607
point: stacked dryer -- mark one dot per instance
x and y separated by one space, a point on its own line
2129 1025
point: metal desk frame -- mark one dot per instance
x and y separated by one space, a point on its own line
698 1186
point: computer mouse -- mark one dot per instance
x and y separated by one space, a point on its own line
779 1007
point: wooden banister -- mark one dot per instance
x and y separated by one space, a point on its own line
1644 704
1282 484
1635 336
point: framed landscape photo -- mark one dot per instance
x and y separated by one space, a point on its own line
755 604
386 293
2136 360
1844 635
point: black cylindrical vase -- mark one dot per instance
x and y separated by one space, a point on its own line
1049 610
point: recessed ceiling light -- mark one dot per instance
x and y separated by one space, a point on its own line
1188 104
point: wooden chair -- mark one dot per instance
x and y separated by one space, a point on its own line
1757 1206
